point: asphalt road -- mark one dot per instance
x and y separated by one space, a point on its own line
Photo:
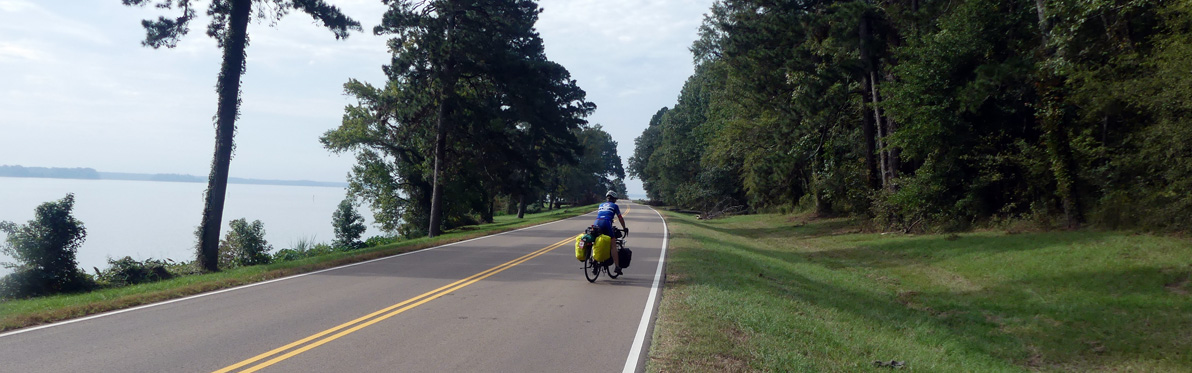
514 302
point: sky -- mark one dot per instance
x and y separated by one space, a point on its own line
77 89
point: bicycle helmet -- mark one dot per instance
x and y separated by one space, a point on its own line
610 194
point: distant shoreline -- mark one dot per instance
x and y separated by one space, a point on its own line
91 174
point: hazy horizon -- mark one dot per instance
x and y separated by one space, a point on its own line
102 172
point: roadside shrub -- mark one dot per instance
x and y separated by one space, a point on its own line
375 241
306 248
921 203
285 255
186 268
463 220
298 250
322 249
128 271
348 224
26 283
244 245
45 249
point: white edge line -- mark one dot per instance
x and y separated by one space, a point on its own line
639 340
162 303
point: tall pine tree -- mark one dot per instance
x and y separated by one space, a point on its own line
229 27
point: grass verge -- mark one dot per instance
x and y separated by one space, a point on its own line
22 313
783 293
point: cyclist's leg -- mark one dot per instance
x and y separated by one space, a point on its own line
606 228
616 259
616 251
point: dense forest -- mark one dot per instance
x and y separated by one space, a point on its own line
928 115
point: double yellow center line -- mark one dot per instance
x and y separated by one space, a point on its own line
305 344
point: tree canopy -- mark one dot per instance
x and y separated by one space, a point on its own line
472 114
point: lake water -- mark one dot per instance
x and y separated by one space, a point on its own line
145 219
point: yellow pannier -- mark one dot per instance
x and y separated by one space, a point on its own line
603 248
580 253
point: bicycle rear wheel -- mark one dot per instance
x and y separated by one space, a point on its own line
591 270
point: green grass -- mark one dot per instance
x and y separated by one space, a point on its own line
782 293
16 314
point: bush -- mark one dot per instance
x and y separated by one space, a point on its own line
294 253
128 271
321 249
45 249
298 250
924 201
375 241
306 248
348 224
244 245
27 283
285 255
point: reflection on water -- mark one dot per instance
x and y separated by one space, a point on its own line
145 219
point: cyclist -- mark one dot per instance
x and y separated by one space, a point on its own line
604 220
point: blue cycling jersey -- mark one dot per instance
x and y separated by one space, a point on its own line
608 210
605 215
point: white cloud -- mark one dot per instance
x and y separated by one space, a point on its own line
14 6
13 51
23 16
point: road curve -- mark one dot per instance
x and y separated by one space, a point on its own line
517 301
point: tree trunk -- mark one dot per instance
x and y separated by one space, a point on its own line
882 132
894 153
447 75
436 195
1050 115
486 213
1044 28
880 123
1105 130
225 128
1059 149
890 156
521 206
823 207
869 129
492 209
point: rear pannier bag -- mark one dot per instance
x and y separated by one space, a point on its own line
581 247
602 250
626 256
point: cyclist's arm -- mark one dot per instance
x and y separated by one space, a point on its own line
622 219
